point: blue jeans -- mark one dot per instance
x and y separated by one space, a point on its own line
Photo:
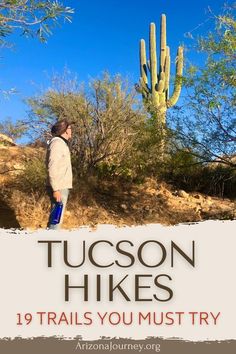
64 197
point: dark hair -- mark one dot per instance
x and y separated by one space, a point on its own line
60 127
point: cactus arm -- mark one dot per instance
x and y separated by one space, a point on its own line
162 76
161 86
153 64
143 82
143 62
167 72
162 43
179 73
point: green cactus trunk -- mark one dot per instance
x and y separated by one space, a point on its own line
156 94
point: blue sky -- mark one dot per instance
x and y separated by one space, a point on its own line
104 35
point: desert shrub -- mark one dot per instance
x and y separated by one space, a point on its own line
33 178
14 130
106 116
186 172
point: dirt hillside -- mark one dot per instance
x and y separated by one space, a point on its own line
93 202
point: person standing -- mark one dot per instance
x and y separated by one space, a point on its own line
59 169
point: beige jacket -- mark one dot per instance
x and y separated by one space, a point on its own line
58 162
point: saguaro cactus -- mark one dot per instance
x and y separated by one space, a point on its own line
156 94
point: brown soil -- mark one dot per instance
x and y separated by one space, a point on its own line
108 202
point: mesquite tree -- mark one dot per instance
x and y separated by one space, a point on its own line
31 18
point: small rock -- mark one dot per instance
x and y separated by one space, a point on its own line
18 166
6 140
124 206
183 194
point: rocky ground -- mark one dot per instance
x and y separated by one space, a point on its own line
104 202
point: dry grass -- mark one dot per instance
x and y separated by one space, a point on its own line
93 202
111 203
